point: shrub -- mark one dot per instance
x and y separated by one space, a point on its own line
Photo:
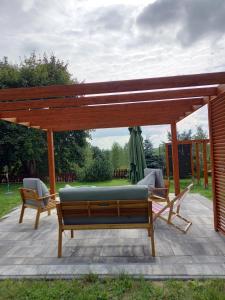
99 170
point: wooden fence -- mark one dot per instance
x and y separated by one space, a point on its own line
66 177
120 173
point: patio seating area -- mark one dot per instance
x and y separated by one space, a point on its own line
25 252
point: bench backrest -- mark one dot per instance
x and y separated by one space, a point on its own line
99 205
104 212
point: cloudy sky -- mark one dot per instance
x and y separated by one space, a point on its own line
120 39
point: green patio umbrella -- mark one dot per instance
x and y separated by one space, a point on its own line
137 162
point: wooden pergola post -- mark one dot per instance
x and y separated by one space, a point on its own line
197 163
167 162
205 165
192 163
51 161
176 175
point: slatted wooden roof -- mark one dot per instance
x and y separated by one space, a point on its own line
109 104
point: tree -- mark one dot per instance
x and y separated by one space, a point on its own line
200 133
181 136
116 155
100 168
124 157
24 150
148 148
153 159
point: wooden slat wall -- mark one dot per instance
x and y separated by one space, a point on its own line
217 135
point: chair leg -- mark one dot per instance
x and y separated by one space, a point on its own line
151 230
22 213
170 215
72 235
60 243
49 212
151 235
37 219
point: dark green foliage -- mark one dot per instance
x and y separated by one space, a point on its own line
153 160
188 134
99 167
184 135
99 170
70 150
200 133
24 150
119 156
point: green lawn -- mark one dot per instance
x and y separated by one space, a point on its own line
122 287
198 188
8 201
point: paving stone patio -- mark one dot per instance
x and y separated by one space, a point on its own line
25 252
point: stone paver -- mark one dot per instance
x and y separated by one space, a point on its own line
25 252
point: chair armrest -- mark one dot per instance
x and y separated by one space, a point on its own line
156 198
160 189
48 196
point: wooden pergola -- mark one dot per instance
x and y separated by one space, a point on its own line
196 144
151 101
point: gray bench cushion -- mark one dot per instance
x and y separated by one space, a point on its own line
127 192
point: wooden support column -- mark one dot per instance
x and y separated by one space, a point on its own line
212 145
176 175
192 163
197 163
51 161
167 162
206 182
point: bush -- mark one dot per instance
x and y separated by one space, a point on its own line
99 170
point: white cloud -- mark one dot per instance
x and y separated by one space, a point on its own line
104 138
198 118
107 142
110 40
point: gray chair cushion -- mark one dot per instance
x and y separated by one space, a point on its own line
130 192
149 180
159 182
154 179
39 186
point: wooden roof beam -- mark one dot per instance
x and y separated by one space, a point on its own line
27 124
220 89
114 86
108 115
76 111
121 123
107 99
12 120
110 119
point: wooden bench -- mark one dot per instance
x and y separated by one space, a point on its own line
105 214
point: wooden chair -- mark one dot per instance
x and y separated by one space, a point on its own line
31 199
164 191
110 214
171 209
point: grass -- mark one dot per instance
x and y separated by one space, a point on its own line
121 287
197 188
9 201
